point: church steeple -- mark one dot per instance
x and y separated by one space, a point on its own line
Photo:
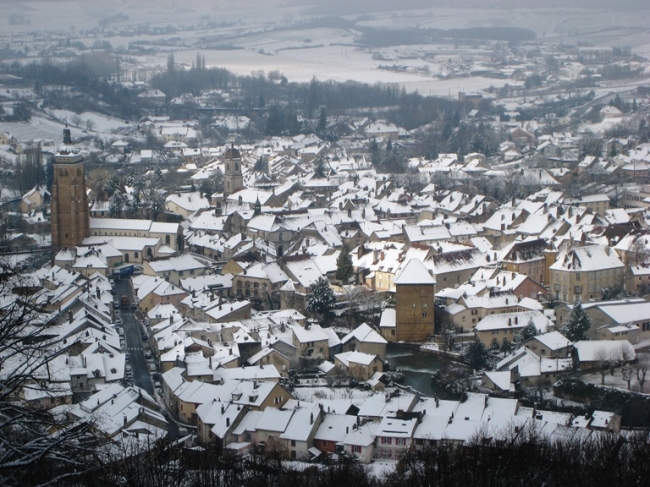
233 179
69 201
67 138
258 206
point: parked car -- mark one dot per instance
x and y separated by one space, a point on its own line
152 368
144 337
148 356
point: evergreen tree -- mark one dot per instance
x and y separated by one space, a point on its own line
344 268
170 63
578 324
506 346
322 120
111 185
476 355
528 331
116 204
321 297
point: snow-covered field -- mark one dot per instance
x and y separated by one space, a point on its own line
616 380
102 123
254 25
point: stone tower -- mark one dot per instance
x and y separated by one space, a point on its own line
233 180
69 201
414 311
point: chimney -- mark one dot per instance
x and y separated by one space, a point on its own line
223 409
228 422
125 420
311 418
70 316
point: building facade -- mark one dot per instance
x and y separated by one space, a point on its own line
233 179
70 214
415 307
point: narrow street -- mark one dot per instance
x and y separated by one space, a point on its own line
133 337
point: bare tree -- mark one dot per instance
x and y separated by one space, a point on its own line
76 120
90 125
30 453
604 360
640 376
627 376
627 354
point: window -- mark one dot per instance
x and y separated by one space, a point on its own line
401 441
293 442
385 441
356 449
414 305
577 276
280 237
424 315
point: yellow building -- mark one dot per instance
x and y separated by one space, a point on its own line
581 273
